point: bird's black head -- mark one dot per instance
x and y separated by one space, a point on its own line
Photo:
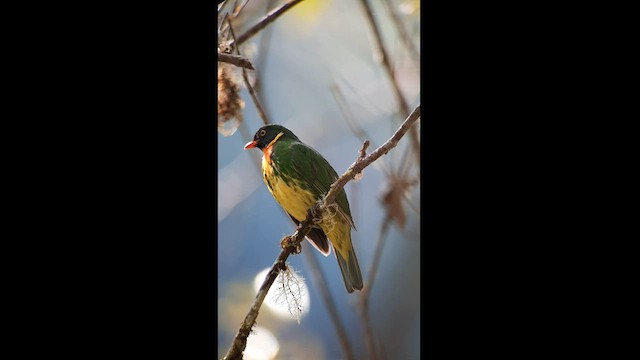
267 134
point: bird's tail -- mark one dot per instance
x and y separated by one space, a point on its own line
350 269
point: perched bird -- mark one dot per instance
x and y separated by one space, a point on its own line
297 176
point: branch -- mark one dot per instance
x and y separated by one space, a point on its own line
402 32
236 60
240 341
269 18
366 291
261 62
404 107
359 165
356 129
254 96
341 332
291 243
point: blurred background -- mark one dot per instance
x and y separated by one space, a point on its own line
319 73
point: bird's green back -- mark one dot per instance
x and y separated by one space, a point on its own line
299 161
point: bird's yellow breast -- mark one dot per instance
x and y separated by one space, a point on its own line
293 198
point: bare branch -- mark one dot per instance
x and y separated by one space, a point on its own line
384 228
238 9
411 204
359 165
404 107
355 128
236 60
341 333
291 243
261 62
363 151
240 341
269 18
404 36
254 97
366 291
346 114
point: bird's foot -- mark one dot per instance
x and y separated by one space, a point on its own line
314 213
287 242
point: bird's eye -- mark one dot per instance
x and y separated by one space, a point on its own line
262 132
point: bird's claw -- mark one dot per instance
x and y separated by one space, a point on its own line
287 242
314 211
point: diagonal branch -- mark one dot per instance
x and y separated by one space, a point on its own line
292 243
269 18
359 165
366 291
341 332
402 32
254 96
236 60
386 62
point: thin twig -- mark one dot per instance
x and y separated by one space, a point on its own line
404 107
405 163
410 203
266 20
359 165
223 25
238 9
221 20
293 242
254 97
355 128
363 150
376 259
261 61
402 31
319 279
366 291
236 60
348 117
368 102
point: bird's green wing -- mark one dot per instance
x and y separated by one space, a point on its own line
315 172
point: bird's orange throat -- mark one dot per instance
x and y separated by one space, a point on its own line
269 149
267 154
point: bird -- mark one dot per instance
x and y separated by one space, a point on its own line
297 176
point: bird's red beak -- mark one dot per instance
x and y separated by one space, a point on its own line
251 144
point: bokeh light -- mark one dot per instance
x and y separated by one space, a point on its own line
261 345
288 298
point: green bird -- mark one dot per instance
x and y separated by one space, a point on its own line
297 176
